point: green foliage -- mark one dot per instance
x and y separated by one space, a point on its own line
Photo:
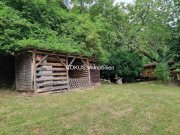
162 72
12 28
98 29
127 64
150 31
174 49
47 25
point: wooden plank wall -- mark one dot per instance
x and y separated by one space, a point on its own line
95 76
78 73
79 78
148 72
23 71
51 73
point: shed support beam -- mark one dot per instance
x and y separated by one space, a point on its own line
41 60
34 70
71 61
89 75
61 61
85 63
67 71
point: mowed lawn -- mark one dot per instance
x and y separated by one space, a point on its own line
128 109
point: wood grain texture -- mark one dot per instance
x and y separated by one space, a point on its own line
23 72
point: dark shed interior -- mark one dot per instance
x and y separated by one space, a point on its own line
7 71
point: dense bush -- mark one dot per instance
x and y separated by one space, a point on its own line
128 65
162 72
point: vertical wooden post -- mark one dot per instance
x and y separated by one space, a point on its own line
89 75
67 72
16 83
34 70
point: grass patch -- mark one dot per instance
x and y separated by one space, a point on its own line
109 109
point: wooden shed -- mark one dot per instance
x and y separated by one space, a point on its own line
46 71
148 70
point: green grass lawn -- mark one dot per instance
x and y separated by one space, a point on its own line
129 109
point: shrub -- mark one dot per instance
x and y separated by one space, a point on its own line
128 65
162 72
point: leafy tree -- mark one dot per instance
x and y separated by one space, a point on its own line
150 32
174 46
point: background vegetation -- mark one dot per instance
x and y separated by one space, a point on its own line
123 35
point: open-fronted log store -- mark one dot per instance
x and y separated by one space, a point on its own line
45 71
